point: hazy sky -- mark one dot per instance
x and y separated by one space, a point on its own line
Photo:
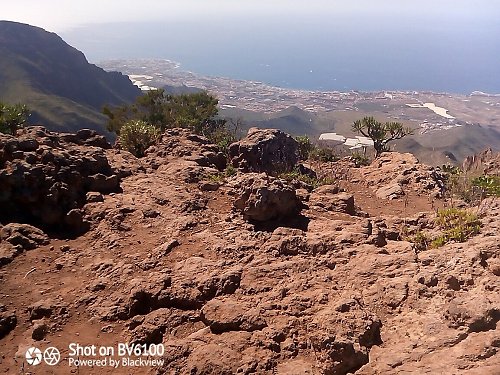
59 15
443 45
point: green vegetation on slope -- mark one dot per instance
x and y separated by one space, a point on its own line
158 110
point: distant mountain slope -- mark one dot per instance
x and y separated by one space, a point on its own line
181 90
292 120
55 80
434 148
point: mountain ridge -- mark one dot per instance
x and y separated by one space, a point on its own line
64 91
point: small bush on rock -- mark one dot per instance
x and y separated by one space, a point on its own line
221 135
457 224
460 186
215 177
420 240
220 177
230 171
309 180
136 136
470 189
360 160
450 169
324 154
452 224
305 146
489 186
12 117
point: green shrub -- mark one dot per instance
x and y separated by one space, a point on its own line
222 136
136 136
457 225
360 160
12 117
215 177
324 154
297 176
451 169
461 187
488 185
420 240
453 224
470 189
230 171
439 241
219 177
305 146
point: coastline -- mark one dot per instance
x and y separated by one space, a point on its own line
237 98
172 66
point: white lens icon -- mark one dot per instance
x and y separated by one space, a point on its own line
33 356
51 356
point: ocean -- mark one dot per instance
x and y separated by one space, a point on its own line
457 53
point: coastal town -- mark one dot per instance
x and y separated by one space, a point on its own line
432 111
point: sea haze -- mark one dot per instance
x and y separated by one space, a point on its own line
426 51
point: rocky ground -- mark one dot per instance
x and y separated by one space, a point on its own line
247 274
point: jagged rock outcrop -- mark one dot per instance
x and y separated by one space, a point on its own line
265 150
23 236
44 177
486 162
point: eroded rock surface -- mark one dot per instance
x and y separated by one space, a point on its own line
8 321
165 262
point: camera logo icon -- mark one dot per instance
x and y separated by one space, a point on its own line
33 356
51 356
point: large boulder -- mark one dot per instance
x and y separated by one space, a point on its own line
264 150
262 198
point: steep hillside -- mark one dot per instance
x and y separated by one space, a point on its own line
63 90
292 120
